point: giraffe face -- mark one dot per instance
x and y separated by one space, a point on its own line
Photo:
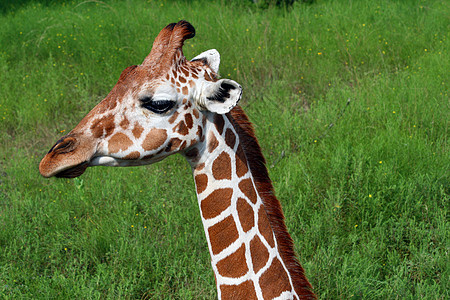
158 118
156 109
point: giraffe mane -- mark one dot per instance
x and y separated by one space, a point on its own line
257 164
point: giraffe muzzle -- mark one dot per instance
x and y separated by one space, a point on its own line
68 158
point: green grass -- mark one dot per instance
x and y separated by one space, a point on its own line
366 201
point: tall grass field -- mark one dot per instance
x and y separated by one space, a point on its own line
350 101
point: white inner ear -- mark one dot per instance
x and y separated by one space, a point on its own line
212 56
220 96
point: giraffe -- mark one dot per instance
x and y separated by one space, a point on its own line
169 105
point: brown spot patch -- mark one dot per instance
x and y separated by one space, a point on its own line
185 90
230 138
191 83
207 77
137 130
245 290
274 280
174 72
194 75
172 80
213 143
124 123
234 265
241 162
173 117
112 103
222 234
103 127
216 202
185 72
154 139
264 226
201 182
189 121
119 142
200 133
181 128
259 253
195 112
219 122
200 167
246 214
182 79
246 186
133 155
173 145
221 167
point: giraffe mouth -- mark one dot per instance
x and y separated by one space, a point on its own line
74 171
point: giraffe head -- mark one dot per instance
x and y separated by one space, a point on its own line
156 109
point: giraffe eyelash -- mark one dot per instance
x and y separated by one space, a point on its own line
157 106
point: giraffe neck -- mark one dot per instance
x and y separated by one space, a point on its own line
244 249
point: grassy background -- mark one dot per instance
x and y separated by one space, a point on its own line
366 200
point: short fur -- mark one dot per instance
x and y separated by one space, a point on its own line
274 212
166 45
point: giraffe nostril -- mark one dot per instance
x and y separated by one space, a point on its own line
56 144
64 145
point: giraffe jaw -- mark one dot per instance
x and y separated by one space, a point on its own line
108 161
74 171
71 171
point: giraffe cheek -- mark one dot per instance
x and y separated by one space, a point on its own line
119 142
173 145
181 128
154 139
137 130
133 155
103 127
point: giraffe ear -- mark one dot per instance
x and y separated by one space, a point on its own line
219 96
210 57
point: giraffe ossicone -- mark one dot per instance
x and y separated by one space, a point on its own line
169 105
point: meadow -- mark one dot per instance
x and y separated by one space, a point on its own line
350 102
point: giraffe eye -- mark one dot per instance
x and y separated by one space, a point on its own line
157 106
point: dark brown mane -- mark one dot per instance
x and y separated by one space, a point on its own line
257 165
